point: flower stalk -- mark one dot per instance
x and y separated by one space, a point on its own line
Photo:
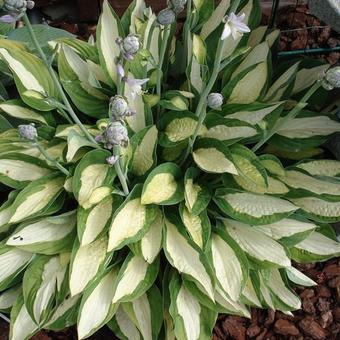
56 81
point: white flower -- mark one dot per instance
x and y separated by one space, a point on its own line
234 26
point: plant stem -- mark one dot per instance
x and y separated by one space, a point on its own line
50 159
201 107
4 317
291 115
119 171
56 80
164 45
187 29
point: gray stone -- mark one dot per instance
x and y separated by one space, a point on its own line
328 11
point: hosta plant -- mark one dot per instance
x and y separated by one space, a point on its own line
154 179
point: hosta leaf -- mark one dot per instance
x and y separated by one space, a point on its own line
315 247
151 243
109 29
37 198
86 262
135 277
186 257
12 262
64 130
97 297
75 145
75 76
177 127
50 235
230 264
258 246
197 196
17 170
65 315
191 319
163 186
42 282
17 109
91 173
249 295
317 209
131 221
122 325
22 325
299 278
213 156
144 150
91 222
272 164
288 231
298 181
9 296
197 226
30 74
253 208
320 167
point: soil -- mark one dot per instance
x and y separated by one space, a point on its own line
319 318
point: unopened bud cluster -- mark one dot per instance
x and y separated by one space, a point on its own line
332 79
28 132
15 9
129 46
168 15
215 101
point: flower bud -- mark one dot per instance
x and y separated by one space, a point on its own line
131 44
28 132
215 100
112 160
166 17
118 107
178 5
116 134
332 78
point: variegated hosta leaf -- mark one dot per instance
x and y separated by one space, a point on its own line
50 235
252 208
5 211
249 295
22 325
287 231
252 113
249 80
64 130
321 167
40 197
163 185
214 157
315 247
93 221
9 296
186 257
17 109
300 181
65 315
151 243
196 195
131 221
197 226
285 299
272 164
319 210
42 283
12 262
228 131
230 264
91 173
97 297
177 127
282 87
248 165
135 277
144 146
75 145
191 319
258 246
76 78
109 29
86 262
299 278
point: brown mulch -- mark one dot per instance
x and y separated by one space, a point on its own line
303 31
319 318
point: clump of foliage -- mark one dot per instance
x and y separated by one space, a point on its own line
144 180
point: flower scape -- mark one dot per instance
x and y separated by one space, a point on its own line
153 180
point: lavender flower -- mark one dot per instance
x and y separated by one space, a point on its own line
234 26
